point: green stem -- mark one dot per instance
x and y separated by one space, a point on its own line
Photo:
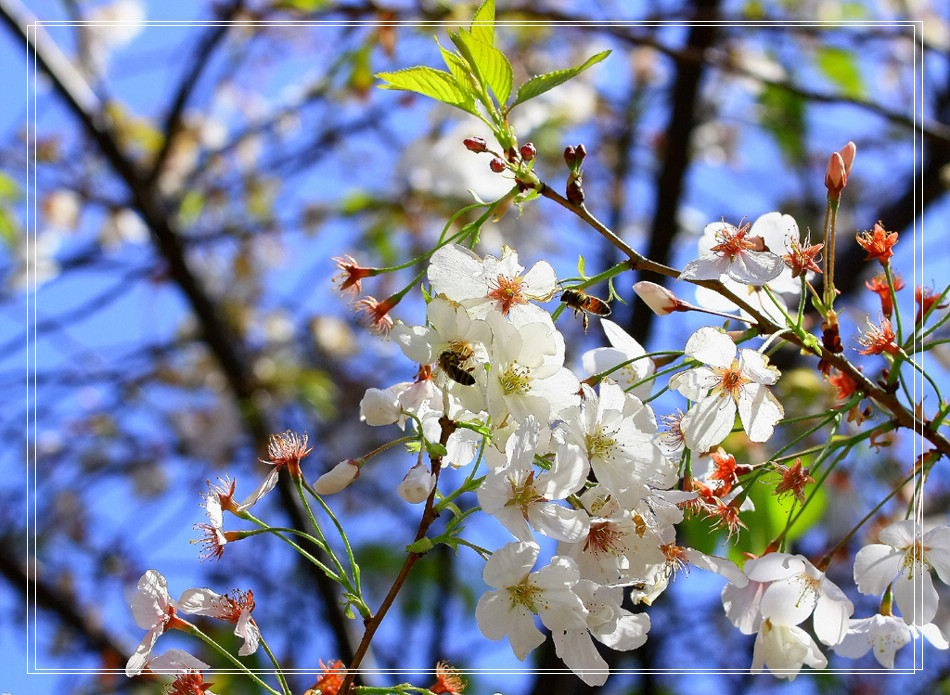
278 672
233 659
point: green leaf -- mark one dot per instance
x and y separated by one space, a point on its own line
841 68
436 449
430 82
460 71
539 84
9 229
783 115
490 63
9 188
483 23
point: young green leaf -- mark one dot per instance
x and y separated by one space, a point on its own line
483 23
539 84
491 64
430 82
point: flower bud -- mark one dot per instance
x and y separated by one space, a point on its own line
839 167
570 156
337 478
417 484
528 151
380 407
475 144
497 165
581 152
660 300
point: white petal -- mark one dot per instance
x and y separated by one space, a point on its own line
558 522
774 566
831 619
786 603
540 282
201 602
741 604
937 544
139 658
453 270
707 267
916 596
510 564
176 660
248 630
755 267
755 366
694 383
759 411
708 422
578 652
711 346
875 566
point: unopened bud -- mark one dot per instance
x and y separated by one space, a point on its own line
581 152
839 168
575 193
660 300
528 151
380 407
337 478
497 165
570 156
417 484
475 144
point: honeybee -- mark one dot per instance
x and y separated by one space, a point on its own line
584 304
452 360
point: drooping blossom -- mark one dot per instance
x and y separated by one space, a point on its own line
154 610
235 608
877 339
904 558
878 285
284 450
729 381
784 649
879 243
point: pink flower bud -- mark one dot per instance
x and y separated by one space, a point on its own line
839 167
417 484
528 151
497 165
337 478
380 407
660 300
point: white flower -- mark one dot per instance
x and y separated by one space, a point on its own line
511 493
232 610
492 284
527 375
737 253
612 625
885 634
417 484
796 589
905 558
520 594
783 649
381 406
623 349
154 610
616 432
729 383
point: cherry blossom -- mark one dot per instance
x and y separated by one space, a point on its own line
904 558
784 649
236 609
797 589
732 381
154 610
520 594
490 284
610 624
513 495
738 253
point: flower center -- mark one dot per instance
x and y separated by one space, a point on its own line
523 494
524 594
507 292
602 538
730 379
515 379
733 243
599 443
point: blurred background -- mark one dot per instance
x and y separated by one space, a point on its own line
175 180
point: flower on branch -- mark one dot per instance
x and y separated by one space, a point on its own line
879 243
729 381
330 680
154 610
878 285
284 450
903 559
801 256
235 608
794 480
349 280
447 680
878 339
839 168
737 253
374 314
